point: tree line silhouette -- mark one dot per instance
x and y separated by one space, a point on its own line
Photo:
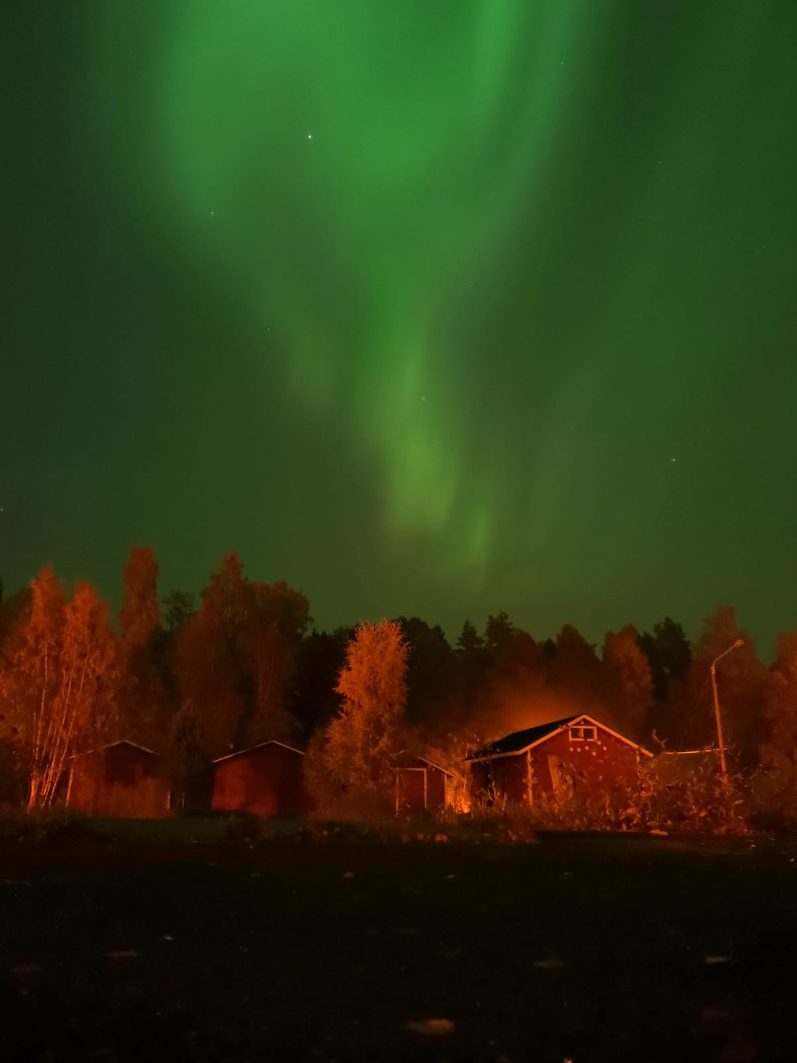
243 663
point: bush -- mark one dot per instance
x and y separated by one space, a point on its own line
668 794
676 793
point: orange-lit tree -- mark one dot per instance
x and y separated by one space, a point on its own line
59 679
628 683
370 727
779 750
741 680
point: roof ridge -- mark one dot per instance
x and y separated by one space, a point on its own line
259 745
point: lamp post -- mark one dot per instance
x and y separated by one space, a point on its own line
720 739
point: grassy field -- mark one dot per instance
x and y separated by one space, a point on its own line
149 941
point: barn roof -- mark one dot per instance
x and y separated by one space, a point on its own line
112 745
260 745
521 741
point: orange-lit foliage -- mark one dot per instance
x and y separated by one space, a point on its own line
670 794
775 786
58 682
741 680
370 727
628 683
779 750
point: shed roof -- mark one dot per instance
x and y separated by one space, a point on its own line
260 745
112 745
520 741
424 760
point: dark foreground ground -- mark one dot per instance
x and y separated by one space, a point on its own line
580 949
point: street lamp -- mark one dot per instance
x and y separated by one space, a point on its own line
723 766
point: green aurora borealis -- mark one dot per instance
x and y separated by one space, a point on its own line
432 308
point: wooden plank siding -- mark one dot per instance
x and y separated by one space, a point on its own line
267 780
596 765
122 781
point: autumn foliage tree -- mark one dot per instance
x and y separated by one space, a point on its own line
741 682
629 687
779 749
370 727
141 693
234 659
59 680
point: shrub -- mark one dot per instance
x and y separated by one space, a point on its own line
668 794
690 795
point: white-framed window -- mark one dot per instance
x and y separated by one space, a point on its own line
583 733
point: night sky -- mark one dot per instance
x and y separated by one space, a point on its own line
435 308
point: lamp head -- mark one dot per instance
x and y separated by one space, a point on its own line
739 642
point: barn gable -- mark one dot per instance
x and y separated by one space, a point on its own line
266 780
520 742
260 745
421 785
576 751
121 780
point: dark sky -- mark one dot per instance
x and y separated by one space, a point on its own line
426 308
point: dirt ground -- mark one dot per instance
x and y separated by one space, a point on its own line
582 949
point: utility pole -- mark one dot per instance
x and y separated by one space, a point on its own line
720 739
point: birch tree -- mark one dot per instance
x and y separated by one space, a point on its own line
58 684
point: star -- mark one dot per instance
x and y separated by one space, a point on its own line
309 136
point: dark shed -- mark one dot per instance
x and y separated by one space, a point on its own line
577 753
420 784
267 780
122 780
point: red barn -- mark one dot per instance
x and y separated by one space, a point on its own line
555 758
420 785
267 780
122 780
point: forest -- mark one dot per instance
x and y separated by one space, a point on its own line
195 679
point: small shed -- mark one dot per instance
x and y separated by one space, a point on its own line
575 754
266 780
421 786
122 780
